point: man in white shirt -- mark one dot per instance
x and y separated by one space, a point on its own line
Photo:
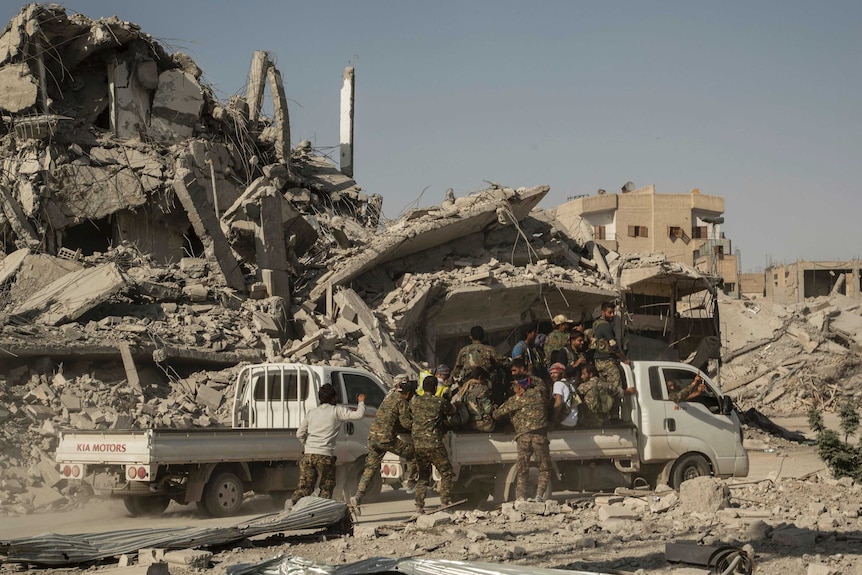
317 433
566 399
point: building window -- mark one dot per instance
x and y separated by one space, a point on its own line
638 232
698 232
674 232
599 232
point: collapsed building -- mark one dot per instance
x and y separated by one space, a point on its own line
155 237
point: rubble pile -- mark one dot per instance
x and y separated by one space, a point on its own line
786 525
789 359
154 238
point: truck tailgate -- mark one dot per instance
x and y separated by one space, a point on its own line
176 446
572 445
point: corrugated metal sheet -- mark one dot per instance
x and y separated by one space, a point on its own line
52 549
287 565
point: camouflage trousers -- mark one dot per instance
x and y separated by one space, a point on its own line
312 467
376 451
533 444
609 371
439 458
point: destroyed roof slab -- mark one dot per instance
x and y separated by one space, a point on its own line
434 229
504 304
72 295
659 280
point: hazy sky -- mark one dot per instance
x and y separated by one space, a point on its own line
758 102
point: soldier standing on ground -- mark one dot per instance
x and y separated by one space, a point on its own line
528 412
317 433
393 417
429 415
559 337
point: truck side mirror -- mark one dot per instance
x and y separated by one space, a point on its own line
726 405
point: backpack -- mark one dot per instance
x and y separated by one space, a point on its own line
597 398
570 404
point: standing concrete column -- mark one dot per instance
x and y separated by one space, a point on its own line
347 123
282 118
256 85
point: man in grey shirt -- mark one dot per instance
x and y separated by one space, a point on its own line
317 433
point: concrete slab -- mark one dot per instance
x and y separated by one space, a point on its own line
73 295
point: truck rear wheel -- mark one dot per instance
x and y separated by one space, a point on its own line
506 484
146 506
222 495
688 467
351 483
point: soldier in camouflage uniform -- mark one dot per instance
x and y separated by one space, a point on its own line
429 415
690 391
601 398
574 356
559 337
528 411
608 354
393 417
475 395
476 354
317 433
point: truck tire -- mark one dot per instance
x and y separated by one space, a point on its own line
351 482
222 495
688 467
146 506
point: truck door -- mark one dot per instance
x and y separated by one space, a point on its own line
353 435
694 423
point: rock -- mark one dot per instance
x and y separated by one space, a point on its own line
433 520
704 495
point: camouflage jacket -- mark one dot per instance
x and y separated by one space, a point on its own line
393 417
528 412
429 416
555 341
600 396
475 396
604 340
682 394
475 355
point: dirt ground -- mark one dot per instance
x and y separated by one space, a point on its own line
788 486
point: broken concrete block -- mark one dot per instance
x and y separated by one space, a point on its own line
72 295
196 292
149 569
794 537
189 557
704 495
432 520
45 497
177 106
209 397
618 511
195 268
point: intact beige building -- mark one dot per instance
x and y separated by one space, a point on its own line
686 228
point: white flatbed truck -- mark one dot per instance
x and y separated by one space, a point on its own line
215 467
657 441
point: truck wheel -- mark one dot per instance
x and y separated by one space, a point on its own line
688 467
223 495
146 506
351 483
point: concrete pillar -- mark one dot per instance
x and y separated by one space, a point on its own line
256 84
282 118
347 122
271 252
195 199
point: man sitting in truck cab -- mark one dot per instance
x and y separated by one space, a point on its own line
677 391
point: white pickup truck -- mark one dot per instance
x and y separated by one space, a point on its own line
214 467
658 441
